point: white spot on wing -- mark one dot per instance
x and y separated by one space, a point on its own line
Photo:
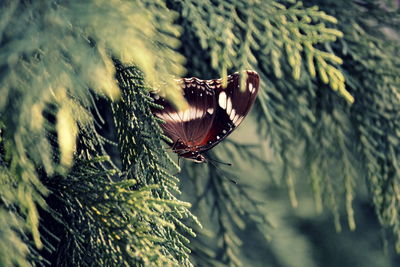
210 111
251 88
232 115
228 105
222 100
189 114
238 119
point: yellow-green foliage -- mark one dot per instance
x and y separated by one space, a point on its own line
241 33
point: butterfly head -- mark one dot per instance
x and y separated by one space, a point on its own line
193 156
199 158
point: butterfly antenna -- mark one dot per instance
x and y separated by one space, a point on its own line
218 170
220 162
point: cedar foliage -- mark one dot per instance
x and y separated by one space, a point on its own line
85 178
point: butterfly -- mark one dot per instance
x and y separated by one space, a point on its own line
213 112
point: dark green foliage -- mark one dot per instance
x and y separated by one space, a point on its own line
85 179
130 217
105 223
144 159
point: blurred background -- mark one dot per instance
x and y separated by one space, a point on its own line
300 158
293 236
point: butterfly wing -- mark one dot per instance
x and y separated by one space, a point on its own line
233 104
190 126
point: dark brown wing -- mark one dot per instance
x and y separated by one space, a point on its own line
233 104
189 126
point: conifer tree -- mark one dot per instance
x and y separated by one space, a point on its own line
86 179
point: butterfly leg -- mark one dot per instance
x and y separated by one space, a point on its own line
175 144
173 147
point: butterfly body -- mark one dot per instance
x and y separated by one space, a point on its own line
213 112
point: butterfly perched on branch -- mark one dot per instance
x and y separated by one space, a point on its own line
213 112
